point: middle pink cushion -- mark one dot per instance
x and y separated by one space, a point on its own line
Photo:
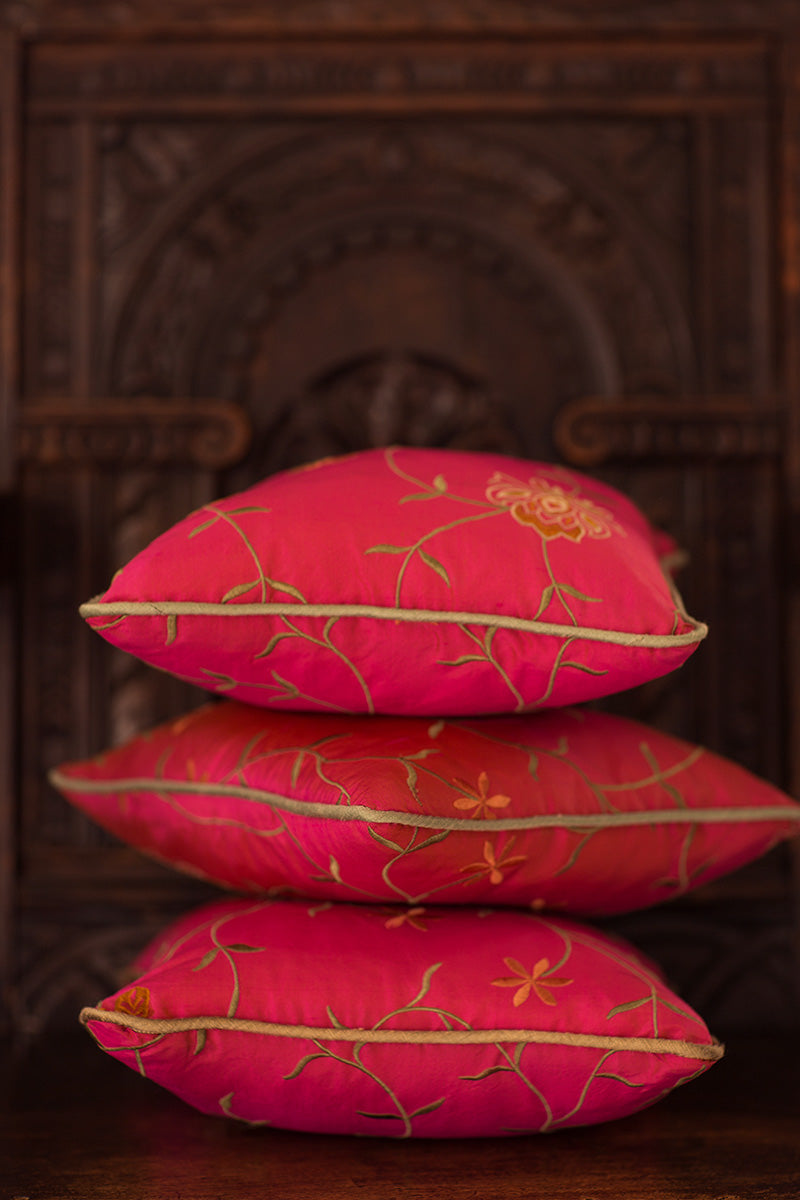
571 809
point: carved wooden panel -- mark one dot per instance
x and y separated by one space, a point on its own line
240 255
352 18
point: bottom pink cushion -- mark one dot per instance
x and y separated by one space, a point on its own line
440 1022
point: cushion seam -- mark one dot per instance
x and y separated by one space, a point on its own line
165 1025
173 608
357 812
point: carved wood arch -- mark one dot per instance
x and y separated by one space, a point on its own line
234 246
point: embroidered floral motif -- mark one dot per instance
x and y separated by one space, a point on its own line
478 802
136 1002
531 981
550 509
411 916
494 866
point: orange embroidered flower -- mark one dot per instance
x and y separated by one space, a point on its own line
410 917
494 866
135 1002
531 981
550 509
480 802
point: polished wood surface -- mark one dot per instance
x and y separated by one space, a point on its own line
76 1125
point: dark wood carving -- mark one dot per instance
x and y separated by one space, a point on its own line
123 433
491 76
243 253
599 429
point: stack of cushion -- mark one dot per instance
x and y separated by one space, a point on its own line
416 814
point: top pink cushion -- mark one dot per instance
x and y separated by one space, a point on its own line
406 581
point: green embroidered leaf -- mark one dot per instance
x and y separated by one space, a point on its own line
243 948
436 837
681 1011
582 667
222 682
289 688
248 508
296 766
109 624
277 586
573 858
621 1008
200 1042
202 528
428 1108
571 591
420 496
419 754
411 774
206 960
272 643
172 629
533 764
484 1074
384 841
333 867
547 596
440 483
426 984
619 1079
435 565
435 729
379 1116
459 662
226 1104
303 1064
385 549
239 590
334 1020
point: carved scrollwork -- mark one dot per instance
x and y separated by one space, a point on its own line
203 433
597 284
599 429
504 75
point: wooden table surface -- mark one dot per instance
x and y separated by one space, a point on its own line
76 1125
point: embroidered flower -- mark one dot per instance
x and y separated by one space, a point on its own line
135 1002
494 866
410 917
531 981
551 510
479 803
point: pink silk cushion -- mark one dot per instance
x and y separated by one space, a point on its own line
570 809
447 1022
406 581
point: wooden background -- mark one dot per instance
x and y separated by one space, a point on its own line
237 236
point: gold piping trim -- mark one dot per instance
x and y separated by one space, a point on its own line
373 816
172 608
443 1037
